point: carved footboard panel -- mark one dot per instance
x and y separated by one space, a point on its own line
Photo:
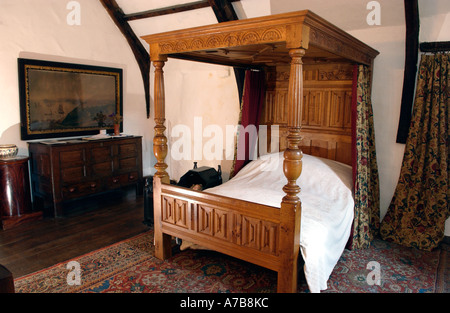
246 230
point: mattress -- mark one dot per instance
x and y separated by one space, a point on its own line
327 206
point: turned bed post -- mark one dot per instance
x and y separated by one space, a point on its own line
162 241
290 211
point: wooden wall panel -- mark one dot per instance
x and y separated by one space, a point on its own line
316 105
204 220
220 223
340 108
167 210
250 230
327 95
269 237
181 216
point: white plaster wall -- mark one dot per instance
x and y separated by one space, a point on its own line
199 91
194 89
39 30
207 91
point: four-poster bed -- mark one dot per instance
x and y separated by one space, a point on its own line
307 59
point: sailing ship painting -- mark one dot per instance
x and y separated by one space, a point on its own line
63 100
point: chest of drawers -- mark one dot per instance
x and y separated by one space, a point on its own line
77 168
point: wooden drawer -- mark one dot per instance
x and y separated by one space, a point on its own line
123 180
82 189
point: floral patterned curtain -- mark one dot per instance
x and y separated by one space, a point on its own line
366 222
417 213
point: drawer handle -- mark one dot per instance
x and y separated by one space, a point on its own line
93 186
131 176
72 189
115 180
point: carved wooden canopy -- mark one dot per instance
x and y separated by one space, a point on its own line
262 41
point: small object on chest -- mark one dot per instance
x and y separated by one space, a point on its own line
201 178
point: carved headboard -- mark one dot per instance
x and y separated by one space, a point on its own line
326 115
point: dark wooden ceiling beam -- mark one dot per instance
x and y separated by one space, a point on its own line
223 9
168 10
139 51
409 77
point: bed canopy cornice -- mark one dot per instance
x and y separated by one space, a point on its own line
261 41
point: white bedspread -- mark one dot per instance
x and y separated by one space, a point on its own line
327 206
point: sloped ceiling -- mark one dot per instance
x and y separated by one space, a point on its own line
346 14
136 18
161 20
147 17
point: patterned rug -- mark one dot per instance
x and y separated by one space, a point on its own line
129 267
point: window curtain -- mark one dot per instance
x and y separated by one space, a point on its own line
251 108
418 210
366 222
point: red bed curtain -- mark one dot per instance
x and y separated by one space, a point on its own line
251 107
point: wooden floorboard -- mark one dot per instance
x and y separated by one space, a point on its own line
88 225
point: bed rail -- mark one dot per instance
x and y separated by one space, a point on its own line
249 231
246 230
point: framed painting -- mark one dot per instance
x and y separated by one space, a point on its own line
65 99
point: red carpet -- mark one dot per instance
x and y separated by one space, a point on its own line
129 266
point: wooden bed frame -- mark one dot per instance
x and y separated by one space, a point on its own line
295 49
